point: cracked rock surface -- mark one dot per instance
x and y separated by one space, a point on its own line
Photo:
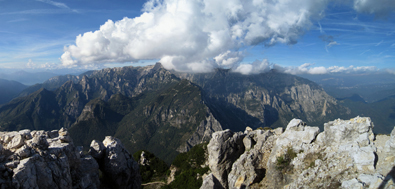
49 159
347 154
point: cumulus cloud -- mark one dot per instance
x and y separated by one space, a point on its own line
255 68
302 69
185 34
228 59
199 35
30 64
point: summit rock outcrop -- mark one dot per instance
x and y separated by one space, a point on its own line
347 154
49 159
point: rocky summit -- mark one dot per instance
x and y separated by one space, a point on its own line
347 154
48 159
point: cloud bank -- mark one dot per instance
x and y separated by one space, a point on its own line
308 68
199 35
380 8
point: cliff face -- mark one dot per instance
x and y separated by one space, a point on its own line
48 159
267 99
345 155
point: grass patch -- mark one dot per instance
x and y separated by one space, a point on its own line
190 168
154 170
283 162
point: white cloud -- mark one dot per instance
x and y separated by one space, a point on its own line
199 35
308 68
337 69
30 64
186 33
380 8
302 69
228 59
332 43
255 68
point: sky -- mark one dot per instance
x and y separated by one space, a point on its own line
248 36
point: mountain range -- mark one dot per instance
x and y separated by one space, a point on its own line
10 90
165 112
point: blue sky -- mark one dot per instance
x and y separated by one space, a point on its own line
41 34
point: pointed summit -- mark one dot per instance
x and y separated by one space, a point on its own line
158 66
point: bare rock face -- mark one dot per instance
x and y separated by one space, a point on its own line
224 148
250 168
346 154
203 133
117 165
97 149
210 182
40 159
297 135
390 144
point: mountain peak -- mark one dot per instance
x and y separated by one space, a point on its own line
157 66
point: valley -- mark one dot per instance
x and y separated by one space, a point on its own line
172 116
164 112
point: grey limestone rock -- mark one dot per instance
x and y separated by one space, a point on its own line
203 133
210 182
16 142
390 144
345 155
96 149
64 135
40 142
119 166
224 149
250 167
39 159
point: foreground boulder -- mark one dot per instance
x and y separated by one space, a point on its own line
118 166
347 154
224 148
48 159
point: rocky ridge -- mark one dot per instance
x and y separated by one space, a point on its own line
48 159
347 154
268 99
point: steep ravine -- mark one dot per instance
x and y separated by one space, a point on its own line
265 100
